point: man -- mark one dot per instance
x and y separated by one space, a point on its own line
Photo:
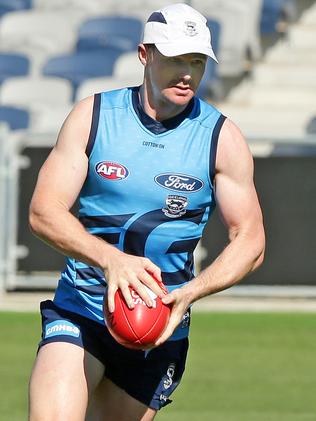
148 164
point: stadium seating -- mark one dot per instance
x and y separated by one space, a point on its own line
278 100
240 35
145 7
309 16
128 71
311 126
48 119
17 4
273 122
282 54
302 36
7 6
232 18
274 12
123 32
210 84
39 34
80 66
56 36
90 7
13 65
284 75
128 65
47 99
274 94
92 86
36 92
254 10
15 118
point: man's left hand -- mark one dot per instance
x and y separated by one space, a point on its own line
179 304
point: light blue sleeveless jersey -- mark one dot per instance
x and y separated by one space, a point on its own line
148 194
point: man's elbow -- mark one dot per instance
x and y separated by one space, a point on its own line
258 262
259 251
36 221
33 222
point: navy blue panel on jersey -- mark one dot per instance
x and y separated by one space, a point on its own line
104 220
89 272
158 127
94 123
149 192
214 143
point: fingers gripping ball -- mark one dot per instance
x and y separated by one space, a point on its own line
136 328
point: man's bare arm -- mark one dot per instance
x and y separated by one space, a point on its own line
240 211
58 186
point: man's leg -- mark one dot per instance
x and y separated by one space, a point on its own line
63 377
111 403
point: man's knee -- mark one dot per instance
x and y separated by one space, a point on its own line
62 377
113 401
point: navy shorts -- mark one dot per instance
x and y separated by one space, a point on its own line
148 376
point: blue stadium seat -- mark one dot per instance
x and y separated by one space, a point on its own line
273 11
7 6
16 118
80 66
17 4
13 65
210 81
117 31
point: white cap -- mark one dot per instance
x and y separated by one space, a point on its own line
178 29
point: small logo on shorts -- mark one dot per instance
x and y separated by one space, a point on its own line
163 398
185 322
61 327
169 377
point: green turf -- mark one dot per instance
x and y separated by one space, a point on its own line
19 337
249 367
241 367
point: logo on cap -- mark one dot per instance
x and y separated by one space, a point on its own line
190 28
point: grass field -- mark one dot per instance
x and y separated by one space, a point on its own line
241 367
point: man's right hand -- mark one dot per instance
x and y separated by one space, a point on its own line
124 270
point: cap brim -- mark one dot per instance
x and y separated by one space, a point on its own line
171 50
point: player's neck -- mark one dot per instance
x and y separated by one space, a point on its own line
159 109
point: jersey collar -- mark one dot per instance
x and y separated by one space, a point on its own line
158 127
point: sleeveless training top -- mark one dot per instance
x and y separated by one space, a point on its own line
148 191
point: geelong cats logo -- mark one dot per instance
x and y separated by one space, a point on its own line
175 206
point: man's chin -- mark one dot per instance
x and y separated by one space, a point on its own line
180 97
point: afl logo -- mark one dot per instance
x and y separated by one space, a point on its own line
111 170
179 182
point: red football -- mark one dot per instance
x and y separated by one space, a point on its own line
136 328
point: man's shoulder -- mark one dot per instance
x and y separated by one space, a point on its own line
115 98
207 113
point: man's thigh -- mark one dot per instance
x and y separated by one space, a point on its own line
63 377
111 403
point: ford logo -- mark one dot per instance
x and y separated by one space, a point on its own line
179 182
